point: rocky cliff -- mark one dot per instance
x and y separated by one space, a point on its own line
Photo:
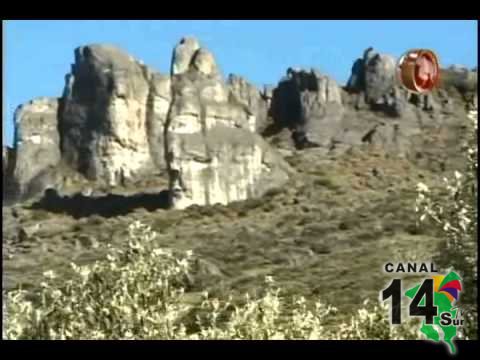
120 124
36 150
103 119
213 154
373 111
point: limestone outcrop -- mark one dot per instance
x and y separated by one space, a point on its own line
37 148
213 153
117 118
121 124
310 105
103 120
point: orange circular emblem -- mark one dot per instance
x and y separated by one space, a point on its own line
418 70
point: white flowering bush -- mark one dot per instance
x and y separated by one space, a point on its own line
136 293
372 322
268 318
263 318
133 294
453 210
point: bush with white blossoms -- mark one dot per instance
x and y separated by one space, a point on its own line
270 318
133 294
136 293
453 210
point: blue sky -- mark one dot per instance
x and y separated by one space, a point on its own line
38 54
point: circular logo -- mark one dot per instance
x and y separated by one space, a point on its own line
418 70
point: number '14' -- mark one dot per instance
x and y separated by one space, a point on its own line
428 310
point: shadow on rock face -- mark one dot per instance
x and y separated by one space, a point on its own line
109 205
272 129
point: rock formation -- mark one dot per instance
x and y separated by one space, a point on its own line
8 160
37 148
379 78
252 98
213 153
111 125
204 63
120 123
373 78
373 112
103 120
310 104
157 115
410 119
183 54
